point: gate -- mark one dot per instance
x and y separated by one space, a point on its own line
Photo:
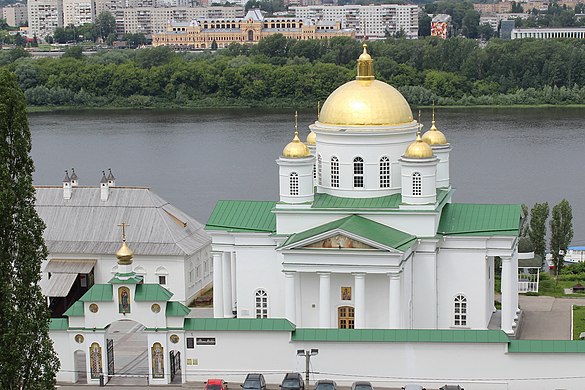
175 363
110 350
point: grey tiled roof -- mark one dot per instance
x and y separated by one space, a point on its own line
86 225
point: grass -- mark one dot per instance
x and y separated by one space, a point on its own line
578 321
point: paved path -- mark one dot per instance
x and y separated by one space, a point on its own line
547 318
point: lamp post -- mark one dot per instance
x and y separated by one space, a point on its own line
307 354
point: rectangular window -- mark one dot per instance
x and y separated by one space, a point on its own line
162 279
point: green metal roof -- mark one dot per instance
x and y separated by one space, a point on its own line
546 346
401 335
133 279
98 293
76 310
243 216
326 201
177 309
59 324
257 324
362 227
480 219
151 293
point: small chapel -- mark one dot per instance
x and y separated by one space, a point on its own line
365 234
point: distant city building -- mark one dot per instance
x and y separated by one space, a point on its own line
489 18
378 20
501 7
204 33
506 27
539 5
15 14
152 20
78 12
44 16
441 26
548 33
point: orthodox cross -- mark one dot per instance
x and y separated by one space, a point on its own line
123 225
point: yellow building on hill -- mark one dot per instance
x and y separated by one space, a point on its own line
201 33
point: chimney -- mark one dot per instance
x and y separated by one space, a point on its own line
105 189
66 186
111 179
74 182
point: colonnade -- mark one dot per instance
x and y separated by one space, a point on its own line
359 295
224 284
548 33
509 292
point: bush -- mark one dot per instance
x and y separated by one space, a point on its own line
525 245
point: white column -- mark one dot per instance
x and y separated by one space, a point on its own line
227 286
217 285
360 301
233 280
324 300
507 300
515 285
394 301
290 306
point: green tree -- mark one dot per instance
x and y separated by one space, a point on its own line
561 233
424 24
537 231
73 52
27 360
105 25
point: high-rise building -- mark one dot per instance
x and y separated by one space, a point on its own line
78 12
373 21
15 14
44 16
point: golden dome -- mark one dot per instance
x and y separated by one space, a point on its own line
124 254
365 101
434 136
418 149
312 138
296 148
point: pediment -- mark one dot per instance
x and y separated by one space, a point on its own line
339 241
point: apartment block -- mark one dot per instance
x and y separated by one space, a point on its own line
15 14
373 21
78 12
44 16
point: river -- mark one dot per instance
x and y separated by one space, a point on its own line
193 158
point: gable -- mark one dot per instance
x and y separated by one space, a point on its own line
339 241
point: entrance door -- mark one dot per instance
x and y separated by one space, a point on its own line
110 349
345 315
175 359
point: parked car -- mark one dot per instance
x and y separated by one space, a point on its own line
293 381
451 387
362 385
216 384
325 384
254 382
413 387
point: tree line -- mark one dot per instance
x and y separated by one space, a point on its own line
285 72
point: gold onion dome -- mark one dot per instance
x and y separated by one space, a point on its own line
434 136
365 101
312 138
418 149
295 148
124 254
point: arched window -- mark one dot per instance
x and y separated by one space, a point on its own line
334 172
358 172
261 304
384 172
294 183
320 169
460 310
416 184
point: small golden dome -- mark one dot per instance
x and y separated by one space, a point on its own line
434 136
365 56
295 148
418 149
124 254
312 138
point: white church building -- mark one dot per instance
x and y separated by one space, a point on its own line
365 234
364 262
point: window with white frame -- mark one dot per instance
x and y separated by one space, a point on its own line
358 172
261 304
294 183
384 172
334 172
320 169
416 183
460 310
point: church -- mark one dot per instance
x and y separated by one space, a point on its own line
365 234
